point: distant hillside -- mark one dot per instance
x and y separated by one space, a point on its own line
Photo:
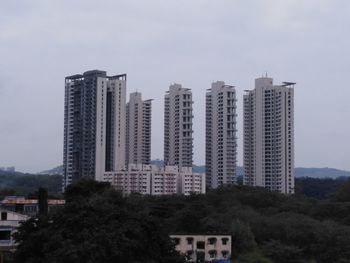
23 184
7 173
56 170
299 171
320 172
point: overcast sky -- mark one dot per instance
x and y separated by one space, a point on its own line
158 42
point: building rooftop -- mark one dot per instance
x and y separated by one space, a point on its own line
11 200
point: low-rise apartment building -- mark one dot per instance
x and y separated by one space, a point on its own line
28 207
149 179
203 248
9 222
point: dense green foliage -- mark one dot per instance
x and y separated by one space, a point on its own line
24 184
15 183
99 225
318 188
343 194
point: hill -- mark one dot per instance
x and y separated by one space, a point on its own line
56 170
299 171
16 183
320 172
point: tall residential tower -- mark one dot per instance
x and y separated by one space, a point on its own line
178 116
138 122
269 136
221 141
94 125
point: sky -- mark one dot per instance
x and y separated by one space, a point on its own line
159 42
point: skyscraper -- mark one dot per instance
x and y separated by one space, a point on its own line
221 141
138 139
94 125
178 116
269 136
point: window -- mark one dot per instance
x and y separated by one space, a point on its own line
3 216
212 253
212 240
200 245
5 235
224 240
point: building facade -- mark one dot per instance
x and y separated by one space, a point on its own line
9 222
135 179
178 130
138 134
269 136
94 125
29 207
204 248
151 180
221 140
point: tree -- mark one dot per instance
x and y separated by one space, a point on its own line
253 257
43 204
280 252
97 224
343 194
242 238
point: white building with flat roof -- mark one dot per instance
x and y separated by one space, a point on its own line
203 248
148 179
135 179
9 222
221 140
269 136
178 130
138 132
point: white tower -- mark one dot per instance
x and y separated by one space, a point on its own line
178 116
138 140
269 136
221 141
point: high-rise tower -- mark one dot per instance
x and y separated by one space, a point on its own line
269 136
94 125
221 141
138 139
178 116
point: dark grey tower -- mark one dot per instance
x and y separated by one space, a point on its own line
92 101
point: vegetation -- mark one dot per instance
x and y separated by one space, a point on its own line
318 188
320 172
25 184
98 224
